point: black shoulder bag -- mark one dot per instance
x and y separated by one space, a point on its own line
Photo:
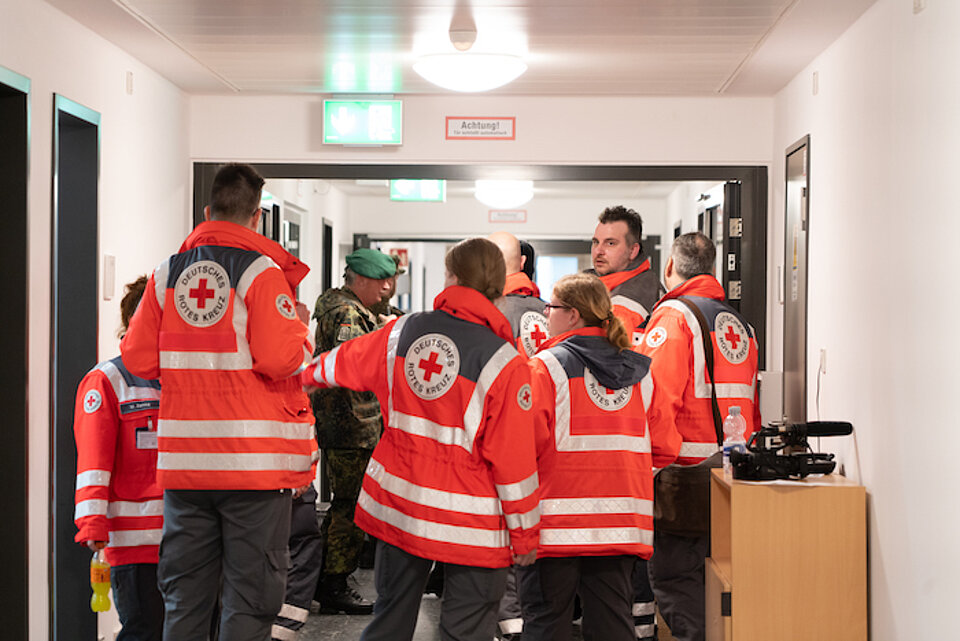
681 503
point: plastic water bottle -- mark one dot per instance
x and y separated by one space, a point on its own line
734 427
100 582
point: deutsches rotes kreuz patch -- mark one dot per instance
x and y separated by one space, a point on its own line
656 337
606 399
286 307
533 331
202 293
525 397
431 366
732 337
92 401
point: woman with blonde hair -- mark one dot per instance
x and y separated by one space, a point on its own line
596 455
454 476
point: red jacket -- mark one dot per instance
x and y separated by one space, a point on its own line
454 477
117 496
218 326
596 450
633 293
681 394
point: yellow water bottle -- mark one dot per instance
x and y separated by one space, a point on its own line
100 582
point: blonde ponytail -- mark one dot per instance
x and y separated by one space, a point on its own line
587 294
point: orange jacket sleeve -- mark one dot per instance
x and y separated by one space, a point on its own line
359 364
140 347
280 343
545 406
671 364
95 428
507 442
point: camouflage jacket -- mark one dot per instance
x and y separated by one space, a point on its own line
385 308
345 419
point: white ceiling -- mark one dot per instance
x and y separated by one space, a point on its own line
572 47
610 189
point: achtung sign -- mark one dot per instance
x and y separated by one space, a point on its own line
481 128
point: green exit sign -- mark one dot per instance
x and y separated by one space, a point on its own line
363 122
430 191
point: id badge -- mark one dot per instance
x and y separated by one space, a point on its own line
147 437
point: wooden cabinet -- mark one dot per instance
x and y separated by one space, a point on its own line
788 560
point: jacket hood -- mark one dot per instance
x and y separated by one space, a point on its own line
471 305
613 368
221 232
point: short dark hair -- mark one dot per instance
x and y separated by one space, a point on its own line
131 298
693 254
530 265
634 223
236 193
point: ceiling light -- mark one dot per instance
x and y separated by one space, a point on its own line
469 71
503 194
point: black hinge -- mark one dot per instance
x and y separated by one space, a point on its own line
725 604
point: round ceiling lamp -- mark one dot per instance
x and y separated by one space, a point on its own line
503 194
468 71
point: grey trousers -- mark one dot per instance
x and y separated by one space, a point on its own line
510 616
230 538
676 573
548 588
470 598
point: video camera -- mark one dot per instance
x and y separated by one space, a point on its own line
764 460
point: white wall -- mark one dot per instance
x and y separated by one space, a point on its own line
465 216
144 186
552 129
883 230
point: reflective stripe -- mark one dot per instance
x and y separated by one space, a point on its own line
432 530
597 505
645 631
93 478
630 304
257 267
281 633
133 538
595 536
418 426
643 609
511 626
160 275
567 442
289 611
326 370
233 462
519 490
646 391
701 388
523 521
228 361
392 342
473 416
126 393
170 428
135 508
90 507
448 501
697 450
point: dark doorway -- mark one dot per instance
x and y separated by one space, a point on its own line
14 158
752 200
76 155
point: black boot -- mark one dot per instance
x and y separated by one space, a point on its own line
337 597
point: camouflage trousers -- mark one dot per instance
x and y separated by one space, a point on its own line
343 540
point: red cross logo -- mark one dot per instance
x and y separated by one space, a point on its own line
430 367
525 397
287 306
201 293
538 335
732 336
91 400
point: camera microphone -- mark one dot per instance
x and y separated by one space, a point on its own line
828 428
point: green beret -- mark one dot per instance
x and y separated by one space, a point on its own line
371 263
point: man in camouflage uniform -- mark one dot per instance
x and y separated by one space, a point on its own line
383 307
348 424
